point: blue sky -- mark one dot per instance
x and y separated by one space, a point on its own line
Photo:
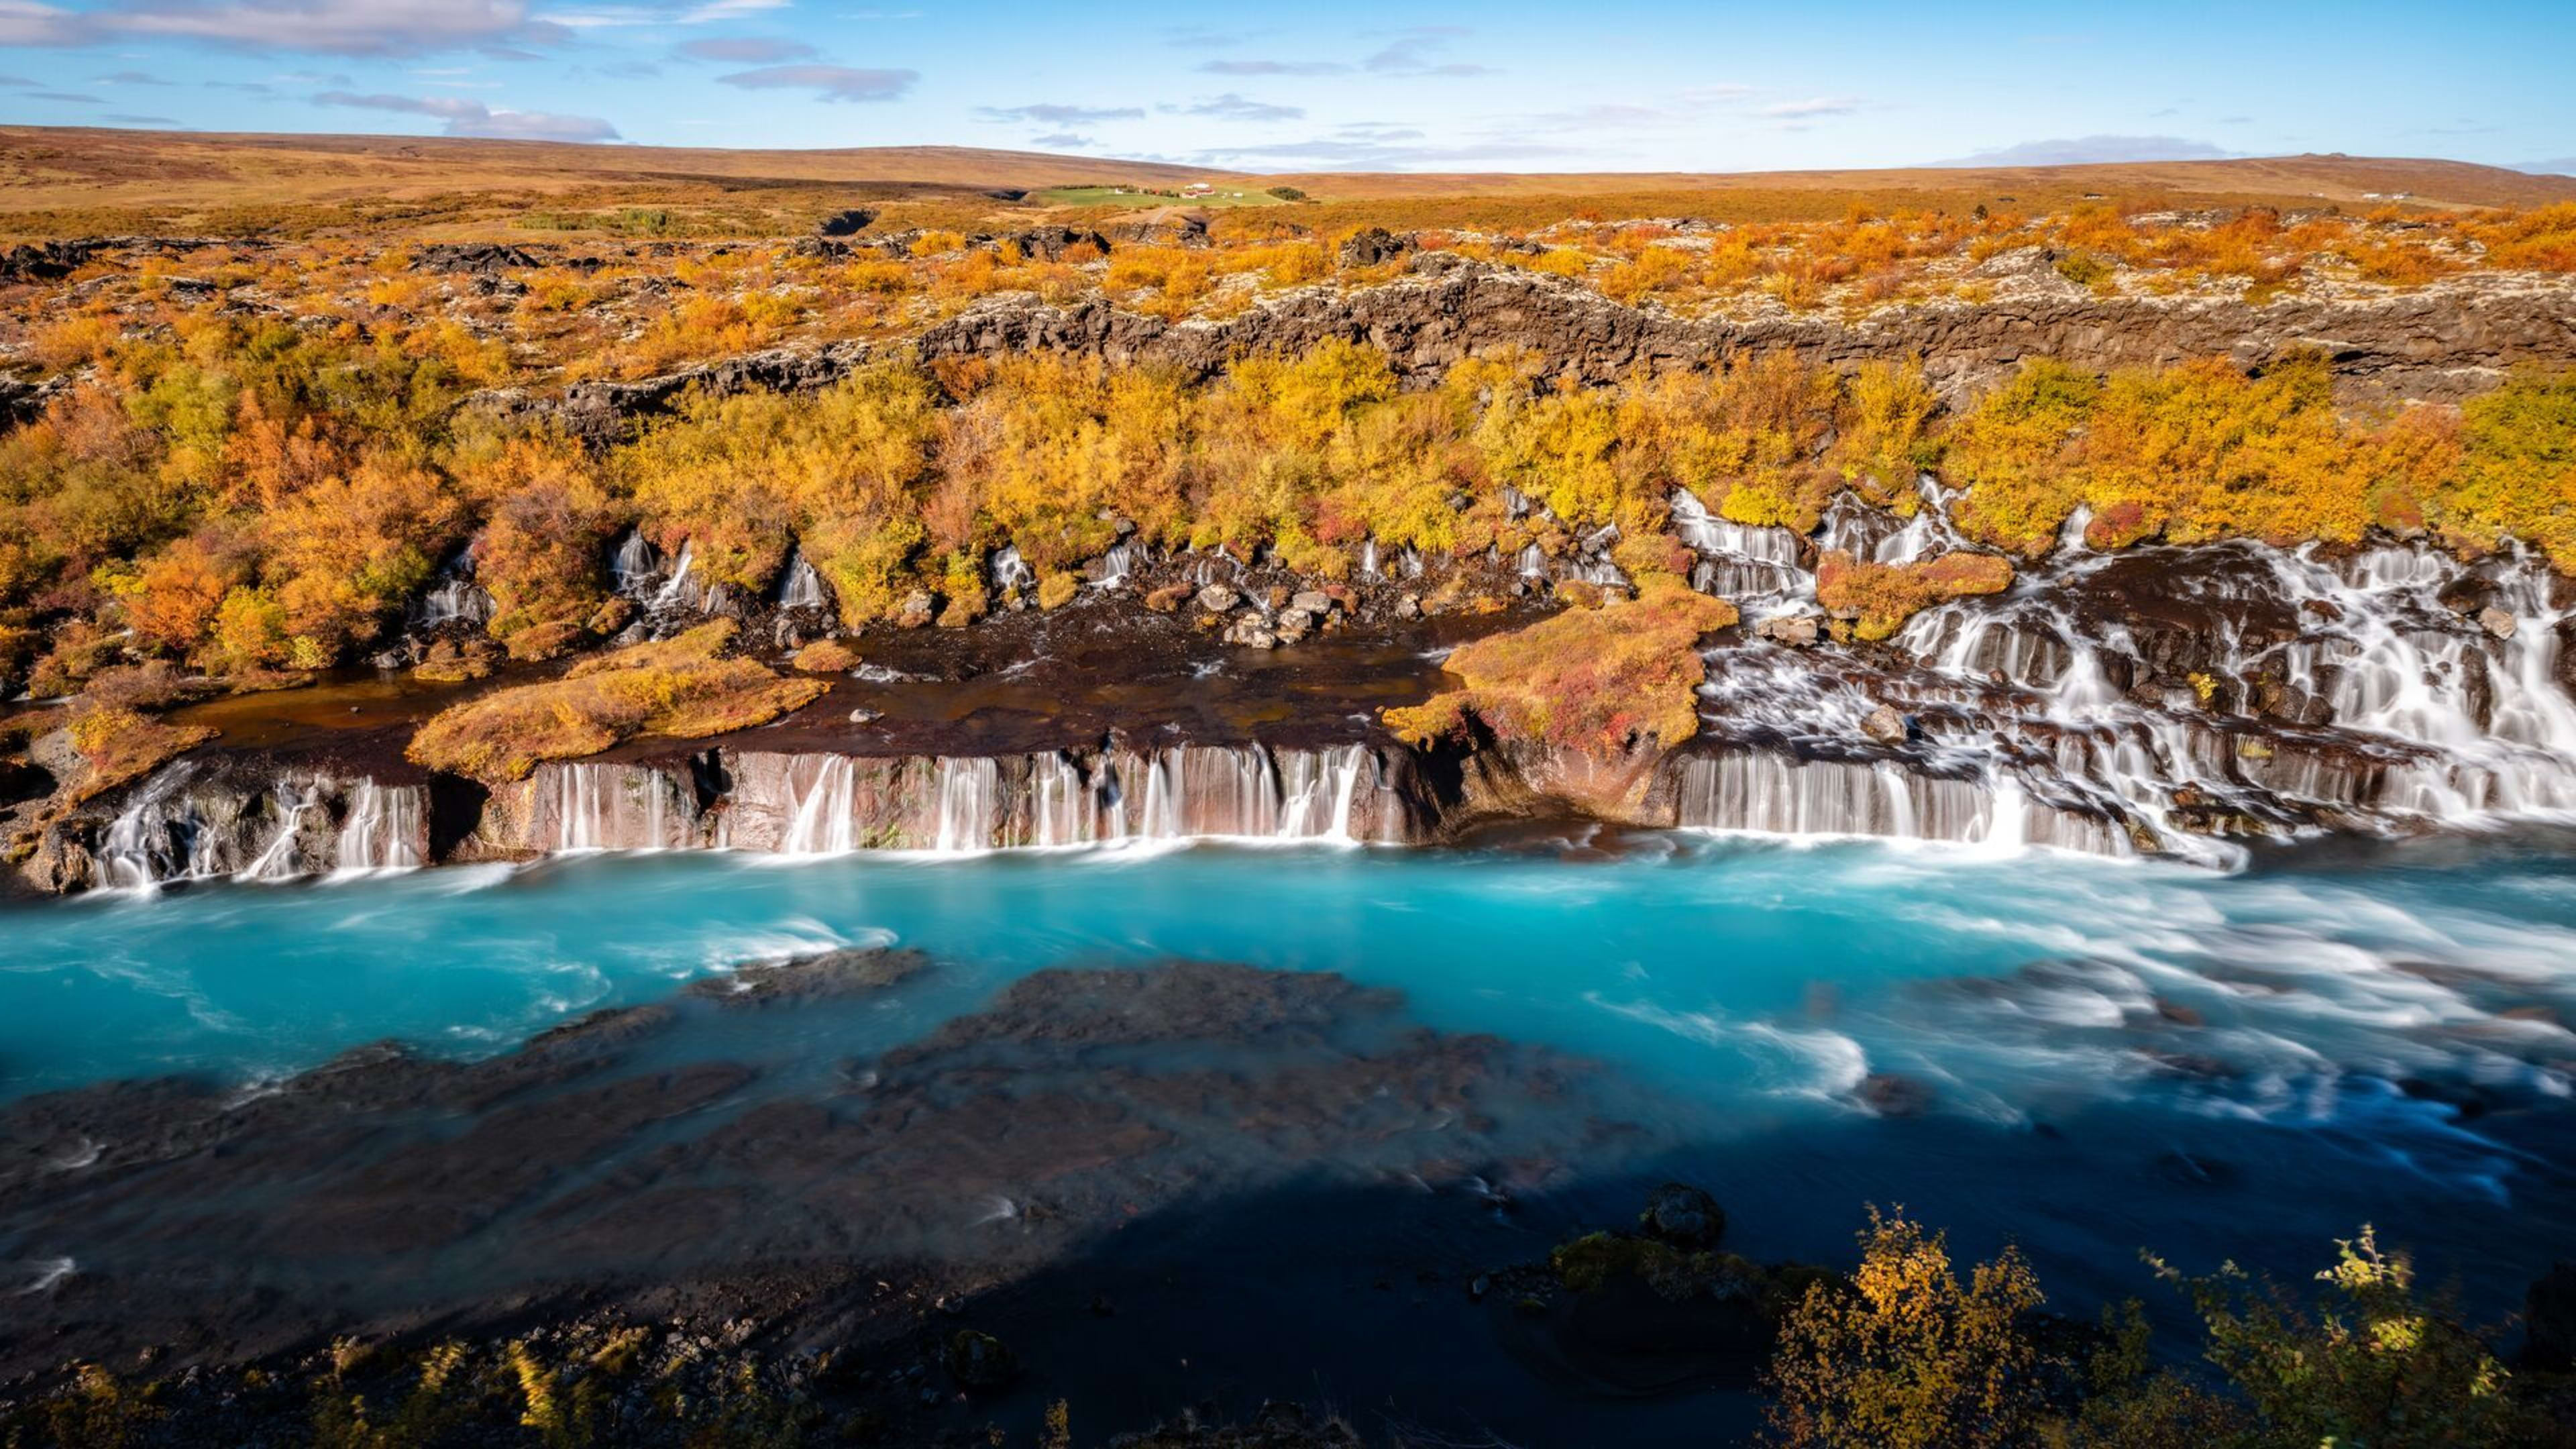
1327 85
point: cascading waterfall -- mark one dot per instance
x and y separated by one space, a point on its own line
281 858
386 828
456 600
158 836
609 807
683 590
2171 695
826 818
635 565
801 586
970 792
1010 571
1757 568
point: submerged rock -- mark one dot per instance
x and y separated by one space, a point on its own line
1684 1216
979 1360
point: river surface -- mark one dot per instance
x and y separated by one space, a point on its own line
2090 1057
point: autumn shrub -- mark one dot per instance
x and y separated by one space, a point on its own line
1878 598
1606 681
1909 1357
684 686
121 746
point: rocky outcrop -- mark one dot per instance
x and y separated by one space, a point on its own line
2440 343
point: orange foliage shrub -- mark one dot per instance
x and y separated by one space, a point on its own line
1606 681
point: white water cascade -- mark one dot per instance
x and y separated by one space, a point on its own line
801 586
280 859
609 807
386 828
158 836
2174 698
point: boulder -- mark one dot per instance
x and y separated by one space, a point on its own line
1798 631
2497 622
918 608
1218 598
1295 624
1168 600
1251 633
845 223
1409 607
1313 601
482 259
979 1360
1373 246
1684 1216
1890 1095
1886 726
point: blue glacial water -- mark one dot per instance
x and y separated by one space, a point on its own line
2096 1057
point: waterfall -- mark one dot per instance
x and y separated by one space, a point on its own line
609 807
281 858
456 600
1751 566
1368 559
1114 566
1067 808
386 828
635 564
682 589
1010 571
801 586
826 818
159 835
970 792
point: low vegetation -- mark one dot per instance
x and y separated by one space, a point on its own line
1905 1353
684 686
1873 600
1607 680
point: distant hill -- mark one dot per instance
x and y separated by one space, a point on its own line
77 179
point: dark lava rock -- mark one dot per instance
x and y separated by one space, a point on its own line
846 223
2549 1319
979 1360
1684 1216
1890 1095
1049 243
1374 246
47 261
810 978
484 259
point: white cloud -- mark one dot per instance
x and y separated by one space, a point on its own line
464 117
827 82
337 27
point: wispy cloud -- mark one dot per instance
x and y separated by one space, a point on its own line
1274 67
744 50
1811 108
1232 107
155 123
463 117
2089 150
1061 141
336 27
827 82
1052 114
1416 52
